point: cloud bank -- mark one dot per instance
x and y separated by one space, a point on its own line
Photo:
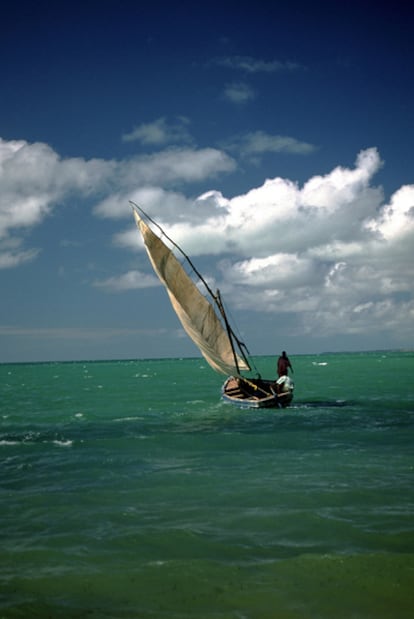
35 180
334 253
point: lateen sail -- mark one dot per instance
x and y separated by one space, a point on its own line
195 312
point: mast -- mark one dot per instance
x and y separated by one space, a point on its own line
230 332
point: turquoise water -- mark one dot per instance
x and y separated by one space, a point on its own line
130 490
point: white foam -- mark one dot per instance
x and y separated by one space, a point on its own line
63 443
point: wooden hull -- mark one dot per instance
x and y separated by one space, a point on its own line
254 393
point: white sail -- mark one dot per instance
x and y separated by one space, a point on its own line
195 312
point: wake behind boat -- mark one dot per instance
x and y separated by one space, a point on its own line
205 321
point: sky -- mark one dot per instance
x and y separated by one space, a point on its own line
272 141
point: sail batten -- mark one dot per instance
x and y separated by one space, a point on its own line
195 312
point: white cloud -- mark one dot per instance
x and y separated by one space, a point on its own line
131 280
159 132
174 165
13 258
34 180
332 253
12 254
286 270
259 142
154 199
239 93
342 184
142 179
328 211
396 219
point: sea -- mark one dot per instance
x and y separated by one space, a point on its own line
130 490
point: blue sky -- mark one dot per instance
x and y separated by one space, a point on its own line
273 141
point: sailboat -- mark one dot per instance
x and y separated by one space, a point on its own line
203 317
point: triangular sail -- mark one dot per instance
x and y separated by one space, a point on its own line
195 312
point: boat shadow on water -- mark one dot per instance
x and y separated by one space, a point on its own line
323 404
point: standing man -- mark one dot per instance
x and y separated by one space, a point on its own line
283 364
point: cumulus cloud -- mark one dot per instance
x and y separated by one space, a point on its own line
327 211
142 179
34 180
396 219
286 270
333 252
